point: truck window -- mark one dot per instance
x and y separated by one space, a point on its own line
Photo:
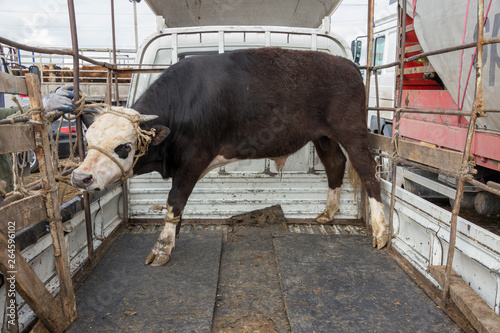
378 52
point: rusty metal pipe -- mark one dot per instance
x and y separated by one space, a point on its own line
371 9
477 111
369 48
79 129
113 33
399 100
435 52
45 50
422 111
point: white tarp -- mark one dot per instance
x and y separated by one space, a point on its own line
440 24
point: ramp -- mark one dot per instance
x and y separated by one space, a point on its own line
339 283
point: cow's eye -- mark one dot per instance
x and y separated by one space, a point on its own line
123 150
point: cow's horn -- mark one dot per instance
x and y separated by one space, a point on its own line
147 117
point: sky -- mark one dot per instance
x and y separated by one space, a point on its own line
46 23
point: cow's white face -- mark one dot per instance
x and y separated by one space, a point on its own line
116 137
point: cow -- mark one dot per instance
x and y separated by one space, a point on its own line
207 111
91 73
124 77
51 73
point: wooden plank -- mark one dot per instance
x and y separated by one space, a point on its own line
32 289
23 213
480 315
11 84
431 156
61 253
419 70
16 138
413 48
435 157
380 142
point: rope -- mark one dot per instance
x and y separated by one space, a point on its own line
48 118
28 114
18 181
462 55
111 157
397 134
173 220
144 138
472 62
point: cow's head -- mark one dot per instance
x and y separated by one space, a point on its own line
114 139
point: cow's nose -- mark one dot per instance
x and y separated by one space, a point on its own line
82 180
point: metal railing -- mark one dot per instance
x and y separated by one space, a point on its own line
466 172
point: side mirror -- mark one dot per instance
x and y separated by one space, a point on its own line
35 70
356 46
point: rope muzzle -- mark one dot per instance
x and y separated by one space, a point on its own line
144 138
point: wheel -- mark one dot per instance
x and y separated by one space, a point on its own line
28 159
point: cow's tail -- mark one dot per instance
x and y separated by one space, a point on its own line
353 178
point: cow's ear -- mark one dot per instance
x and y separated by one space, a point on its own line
161 132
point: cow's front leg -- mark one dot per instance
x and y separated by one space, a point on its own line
162 250
182 185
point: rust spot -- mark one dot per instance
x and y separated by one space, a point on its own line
407 100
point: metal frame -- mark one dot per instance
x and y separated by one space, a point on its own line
465 173
55 314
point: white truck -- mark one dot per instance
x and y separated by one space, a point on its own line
446 82
187 28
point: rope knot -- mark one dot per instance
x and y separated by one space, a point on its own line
144 138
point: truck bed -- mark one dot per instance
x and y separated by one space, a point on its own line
246 278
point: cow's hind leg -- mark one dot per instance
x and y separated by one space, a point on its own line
355 142
334 160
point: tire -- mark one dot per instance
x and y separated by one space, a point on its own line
30 160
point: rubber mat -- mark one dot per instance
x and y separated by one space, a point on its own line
124 295
249 296
339 283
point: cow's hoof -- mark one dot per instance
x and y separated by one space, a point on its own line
324 217
380 241
157 259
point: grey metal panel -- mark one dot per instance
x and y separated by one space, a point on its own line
301 195
422 233
293 13
106 216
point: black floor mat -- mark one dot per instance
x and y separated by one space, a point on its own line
123 294
340 283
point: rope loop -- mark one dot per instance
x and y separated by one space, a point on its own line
144 138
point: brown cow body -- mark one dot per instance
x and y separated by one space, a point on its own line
260 103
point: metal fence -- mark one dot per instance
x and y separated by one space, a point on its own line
464 172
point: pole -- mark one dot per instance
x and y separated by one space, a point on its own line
117 97
135 26
79 128
397 116
477 111
371 9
